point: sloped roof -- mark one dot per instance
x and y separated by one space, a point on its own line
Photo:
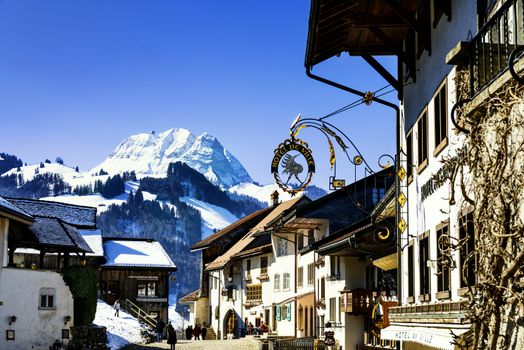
53 232
94 240
191 297
223 259
250 219
141 253
13 209
260 245
76 215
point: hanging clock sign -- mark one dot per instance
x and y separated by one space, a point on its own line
293 165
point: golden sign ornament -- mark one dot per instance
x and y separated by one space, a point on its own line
293 165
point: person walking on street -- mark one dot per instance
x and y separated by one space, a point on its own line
116 305
204 331
196 332
160 325
189 332
171 336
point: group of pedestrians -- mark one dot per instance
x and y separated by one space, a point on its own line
196 332
171 333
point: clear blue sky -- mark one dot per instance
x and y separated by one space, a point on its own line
77 77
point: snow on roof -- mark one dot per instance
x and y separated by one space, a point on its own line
94 240
75 215
136 253
53 232
5 205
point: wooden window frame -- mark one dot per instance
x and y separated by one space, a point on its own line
424 290
411 272
443 290
440 142
409 155
300 276
422 162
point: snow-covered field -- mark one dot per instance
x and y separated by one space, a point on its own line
262 193
126 329
213 217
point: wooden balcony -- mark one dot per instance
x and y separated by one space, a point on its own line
446 312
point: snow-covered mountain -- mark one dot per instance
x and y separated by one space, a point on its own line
149 154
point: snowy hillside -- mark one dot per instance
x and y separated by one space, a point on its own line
262 193
213 217
150 155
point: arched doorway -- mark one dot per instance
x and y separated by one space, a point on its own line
230 323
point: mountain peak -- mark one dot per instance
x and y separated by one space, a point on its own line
149 154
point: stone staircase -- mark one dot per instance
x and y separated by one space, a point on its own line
210 335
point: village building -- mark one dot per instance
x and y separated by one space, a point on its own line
211 248
450 54
318 283
36 305
137 272
236 298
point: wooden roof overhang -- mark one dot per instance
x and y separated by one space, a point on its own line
297 223
367 28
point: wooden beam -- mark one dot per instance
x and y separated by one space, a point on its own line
382 71
418 25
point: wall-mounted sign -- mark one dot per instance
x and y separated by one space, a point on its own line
293 165
329 338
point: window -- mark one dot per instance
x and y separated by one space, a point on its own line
467 235
47 298
263 265
377 194
333 309
310 274
282 247
423 256
300 276
285 281
300 241
310 236
248 267
321 324
322 288
443 267
340 308
409 154
441 117
422 141
411 277
146 289
276 282
334 262
254 293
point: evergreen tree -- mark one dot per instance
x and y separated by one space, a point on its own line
59 160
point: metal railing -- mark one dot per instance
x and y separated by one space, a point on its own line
139 313
491 48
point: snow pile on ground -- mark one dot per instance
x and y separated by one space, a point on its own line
126 329
120 330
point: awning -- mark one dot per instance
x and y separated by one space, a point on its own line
292 298
386 263
432 336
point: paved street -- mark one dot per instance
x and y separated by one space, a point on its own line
237 344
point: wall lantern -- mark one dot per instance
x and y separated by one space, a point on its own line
9 334
67 319
83 262
12 320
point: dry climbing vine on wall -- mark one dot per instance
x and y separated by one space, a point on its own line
490 176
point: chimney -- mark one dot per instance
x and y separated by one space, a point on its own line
273 199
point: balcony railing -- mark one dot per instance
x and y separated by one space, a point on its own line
491 48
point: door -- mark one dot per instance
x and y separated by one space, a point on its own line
231 323
112 293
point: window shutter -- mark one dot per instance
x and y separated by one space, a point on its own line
288 307
278 312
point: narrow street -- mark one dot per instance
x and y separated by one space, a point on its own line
237 344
